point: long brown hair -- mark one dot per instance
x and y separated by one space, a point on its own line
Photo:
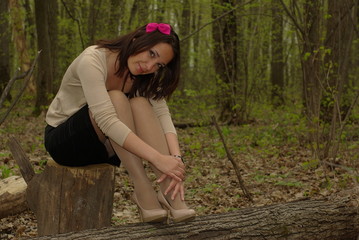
160 84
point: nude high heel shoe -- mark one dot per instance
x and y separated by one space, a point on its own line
151 215
178 215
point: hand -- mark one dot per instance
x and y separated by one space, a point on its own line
174 185
170 166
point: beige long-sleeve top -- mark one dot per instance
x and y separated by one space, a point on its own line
84 83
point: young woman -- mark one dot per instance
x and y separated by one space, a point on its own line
111 106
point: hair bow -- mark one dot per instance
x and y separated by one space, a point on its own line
162 27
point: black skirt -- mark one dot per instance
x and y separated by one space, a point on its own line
75 142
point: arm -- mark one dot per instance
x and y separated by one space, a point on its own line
164 163
173 145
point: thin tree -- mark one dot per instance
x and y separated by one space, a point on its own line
45 68
277 64
4 45
225 60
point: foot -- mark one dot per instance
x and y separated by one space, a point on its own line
177 215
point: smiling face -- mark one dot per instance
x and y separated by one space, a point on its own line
150 60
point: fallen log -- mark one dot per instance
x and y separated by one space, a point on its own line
12 196
307 219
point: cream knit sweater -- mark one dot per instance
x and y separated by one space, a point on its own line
84 83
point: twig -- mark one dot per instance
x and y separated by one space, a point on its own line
27 80
9 86
234 163
214 20
76 20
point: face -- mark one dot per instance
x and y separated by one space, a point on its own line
150 60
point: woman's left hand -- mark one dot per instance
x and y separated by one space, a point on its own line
174 185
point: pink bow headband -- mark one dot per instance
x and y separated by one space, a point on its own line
162 27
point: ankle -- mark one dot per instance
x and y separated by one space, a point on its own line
176 203
147 199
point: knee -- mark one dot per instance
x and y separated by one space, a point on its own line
139 102
117 96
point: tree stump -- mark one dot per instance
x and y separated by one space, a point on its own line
66 199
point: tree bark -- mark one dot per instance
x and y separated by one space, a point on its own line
66 199
12 196
305 220
339 38
19 38
225 60
45 68
277 64
4 45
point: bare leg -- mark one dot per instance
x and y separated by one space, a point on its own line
143 188
148 128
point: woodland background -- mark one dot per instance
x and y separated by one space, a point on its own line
280 76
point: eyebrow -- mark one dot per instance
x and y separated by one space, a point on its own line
156 52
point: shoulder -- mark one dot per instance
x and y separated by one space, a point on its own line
93 54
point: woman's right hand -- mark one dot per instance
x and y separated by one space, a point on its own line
171 166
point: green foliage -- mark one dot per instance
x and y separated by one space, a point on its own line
5 171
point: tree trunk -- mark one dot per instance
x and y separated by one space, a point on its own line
12 196
303 220
277 64
185 28
225 60
4 45
45 68
92 21
339 38
53 12
19 37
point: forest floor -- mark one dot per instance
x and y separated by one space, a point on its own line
276 166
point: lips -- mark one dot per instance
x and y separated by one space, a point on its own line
140 69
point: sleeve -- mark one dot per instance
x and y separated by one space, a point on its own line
163 114
92 74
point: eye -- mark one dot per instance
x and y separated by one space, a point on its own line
152 53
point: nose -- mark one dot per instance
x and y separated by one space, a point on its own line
151 66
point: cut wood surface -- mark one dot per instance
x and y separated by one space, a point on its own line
308 219
12 196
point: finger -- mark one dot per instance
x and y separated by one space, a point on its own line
175 191
162 178
175 177
170 187
179 174
182 192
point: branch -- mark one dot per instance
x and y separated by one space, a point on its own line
214 20
9 86
77 22
234 163
290 15
27 80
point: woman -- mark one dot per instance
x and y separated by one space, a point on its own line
111 106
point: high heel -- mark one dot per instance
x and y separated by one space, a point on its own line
178 215
152 215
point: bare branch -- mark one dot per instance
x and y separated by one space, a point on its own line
27 80
291 16
8 87
76 20
234 163
216 19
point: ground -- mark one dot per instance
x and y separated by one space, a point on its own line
273 170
